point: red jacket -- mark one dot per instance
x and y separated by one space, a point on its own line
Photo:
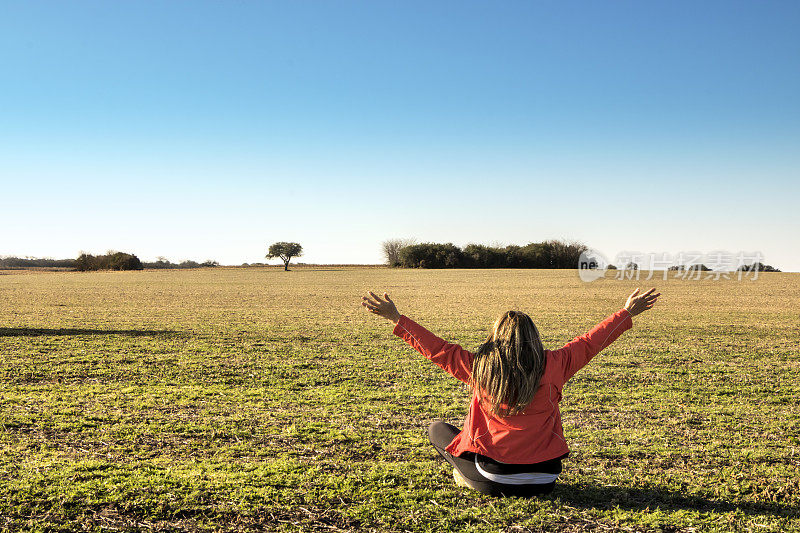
535 435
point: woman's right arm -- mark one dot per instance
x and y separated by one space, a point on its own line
452 358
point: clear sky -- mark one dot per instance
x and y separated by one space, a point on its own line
208 130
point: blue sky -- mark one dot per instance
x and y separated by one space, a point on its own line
208 130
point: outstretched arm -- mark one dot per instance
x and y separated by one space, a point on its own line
452 358
578 352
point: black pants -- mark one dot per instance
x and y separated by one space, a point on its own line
441 434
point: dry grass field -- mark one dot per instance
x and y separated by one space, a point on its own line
257 399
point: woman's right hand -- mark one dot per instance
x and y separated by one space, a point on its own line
639 303
384 308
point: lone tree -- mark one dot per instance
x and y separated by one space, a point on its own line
285 250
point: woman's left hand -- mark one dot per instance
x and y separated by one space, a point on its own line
384 308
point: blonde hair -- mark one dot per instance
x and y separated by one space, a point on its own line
508 367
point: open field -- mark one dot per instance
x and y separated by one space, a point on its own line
260 399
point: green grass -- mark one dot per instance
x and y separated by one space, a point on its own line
259 399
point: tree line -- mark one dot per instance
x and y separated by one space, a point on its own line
34 262
112 260
548 254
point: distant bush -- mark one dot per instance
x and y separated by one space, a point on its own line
86 262
478 255
160 262
110 261
514 258
611 267
123 261
687 268
163 262
548 254
757 267
431 255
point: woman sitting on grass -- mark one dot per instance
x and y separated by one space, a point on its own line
512 442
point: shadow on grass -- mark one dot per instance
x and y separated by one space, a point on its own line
642 498
65 332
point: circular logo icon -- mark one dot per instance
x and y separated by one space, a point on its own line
592 265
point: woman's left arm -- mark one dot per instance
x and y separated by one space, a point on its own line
577 353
